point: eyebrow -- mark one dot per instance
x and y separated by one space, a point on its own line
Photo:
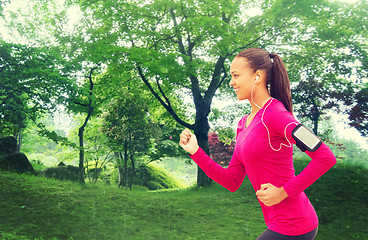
233 72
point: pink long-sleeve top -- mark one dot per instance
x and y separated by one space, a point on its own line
254 157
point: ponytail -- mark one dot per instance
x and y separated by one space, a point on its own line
277 75
279 82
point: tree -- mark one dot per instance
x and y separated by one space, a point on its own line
174 47
88 108
326 77
130 130
359 113
183 47
97 151
115 83
314 97
180 48
33 80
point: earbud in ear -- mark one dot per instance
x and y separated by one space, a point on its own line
257 77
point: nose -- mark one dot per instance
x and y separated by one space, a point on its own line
231 83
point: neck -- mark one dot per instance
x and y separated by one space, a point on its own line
258 102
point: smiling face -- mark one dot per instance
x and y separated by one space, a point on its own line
242 78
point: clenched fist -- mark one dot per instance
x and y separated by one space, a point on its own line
270 195
188 141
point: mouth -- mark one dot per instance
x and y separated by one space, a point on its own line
236 90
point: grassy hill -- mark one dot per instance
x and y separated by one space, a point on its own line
37 208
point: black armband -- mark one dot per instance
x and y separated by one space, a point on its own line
305 138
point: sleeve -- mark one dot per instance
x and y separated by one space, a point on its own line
231 177
321 160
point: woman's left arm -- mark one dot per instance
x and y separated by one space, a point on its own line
321 161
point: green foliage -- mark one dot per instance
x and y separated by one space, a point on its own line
2 4
359 113
167 145
348 152
327 77
128 126
175 49
38 165
150 176
33 79
33 142
97 151
182 168
222 120
54 136
159 178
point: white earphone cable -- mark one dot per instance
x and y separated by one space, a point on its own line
251 95
268 132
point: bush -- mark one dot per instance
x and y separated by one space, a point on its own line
38 166
154 177
151 185
69 172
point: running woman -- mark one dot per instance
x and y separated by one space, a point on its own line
264 148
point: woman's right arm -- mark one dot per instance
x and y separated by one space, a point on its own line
230 178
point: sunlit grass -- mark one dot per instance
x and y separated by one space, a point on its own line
38 208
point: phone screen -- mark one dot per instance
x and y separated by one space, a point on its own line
307 137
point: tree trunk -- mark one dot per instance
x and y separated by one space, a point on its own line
121 177
81 154
202 104
132 172
315 117
125 171
19 146
201 131
82 128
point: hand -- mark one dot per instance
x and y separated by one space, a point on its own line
188 141
270 195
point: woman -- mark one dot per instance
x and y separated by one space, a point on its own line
264 150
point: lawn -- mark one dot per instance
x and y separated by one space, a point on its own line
36 208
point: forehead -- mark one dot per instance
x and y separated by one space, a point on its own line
239 64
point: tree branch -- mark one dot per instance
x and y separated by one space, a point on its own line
159 40
216 82
261 36
90 108
180 41
81 104
166 106
224 76
163 94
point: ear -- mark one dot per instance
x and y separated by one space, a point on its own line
258 76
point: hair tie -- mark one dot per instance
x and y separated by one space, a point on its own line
272 55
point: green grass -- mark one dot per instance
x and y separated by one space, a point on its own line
43 208
340 198
38 208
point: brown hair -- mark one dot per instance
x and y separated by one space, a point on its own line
276 73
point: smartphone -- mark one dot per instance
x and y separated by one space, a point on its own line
305 138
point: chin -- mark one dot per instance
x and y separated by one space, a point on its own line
240 98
